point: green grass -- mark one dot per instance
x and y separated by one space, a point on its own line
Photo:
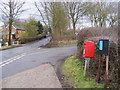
60 43
8 47
73 71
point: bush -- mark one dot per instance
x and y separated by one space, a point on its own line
30 39
99 33
73 71
114 64
2 41
60 43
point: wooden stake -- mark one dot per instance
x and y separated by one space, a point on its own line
107 60
99 68
85 67
87 60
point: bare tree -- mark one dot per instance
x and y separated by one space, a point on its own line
4 19
75 10
54 16
105 13
113 14
11 9
59 19
45 13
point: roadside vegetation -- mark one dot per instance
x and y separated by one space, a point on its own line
60 43
58 18
62 21
24 40
95 34
73 74
34 30
73 67
64 41
8 47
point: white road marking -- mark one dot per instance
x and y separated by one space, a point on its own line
17 57
11 60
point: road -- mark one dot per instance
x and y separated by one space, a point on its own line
6 54
31 55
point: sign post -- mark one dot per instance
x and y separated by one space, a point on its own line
103 49
88 52
99 59
87 60
99 67
107 60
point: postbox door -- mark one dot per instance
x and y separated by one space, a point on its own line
88 50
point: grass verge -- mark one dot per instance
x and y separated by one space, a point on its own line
60 43
73 72
8 47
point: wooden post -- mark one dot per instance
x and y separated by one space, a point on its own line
17 42
12 42
99 67
107 60
6 43
0 45
85 67
87 60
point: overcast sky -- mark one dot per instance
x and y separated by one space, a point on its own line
30 12
33 12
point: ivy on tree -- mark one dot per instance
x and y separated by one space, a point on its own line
40 27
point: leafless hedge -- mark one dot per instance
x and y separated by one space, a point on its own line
99 33
94 34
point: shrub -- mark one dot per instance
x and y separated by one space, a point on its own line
30 39
73 71
88 34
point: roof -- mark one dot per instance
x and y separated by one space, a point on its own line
18 27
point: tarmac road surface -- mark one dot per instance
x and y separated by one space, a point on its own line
20 59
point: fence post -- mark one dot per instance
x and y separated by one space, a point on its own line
6 43
12 42
99 67
17 42
107 60
0 45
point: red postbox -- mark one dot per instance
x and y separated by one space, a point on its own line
88 50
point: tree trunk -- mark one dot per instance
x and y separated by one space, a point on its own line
60 34
74 30
10 22
10 31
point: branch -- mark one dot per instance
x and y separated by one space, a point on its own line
40 12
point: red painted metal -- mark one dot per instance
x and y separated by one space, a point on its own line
88 50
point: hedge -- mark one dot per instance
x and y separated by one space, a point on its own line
30 39
114 65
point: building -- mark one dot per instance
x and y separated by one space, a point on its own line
15 33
